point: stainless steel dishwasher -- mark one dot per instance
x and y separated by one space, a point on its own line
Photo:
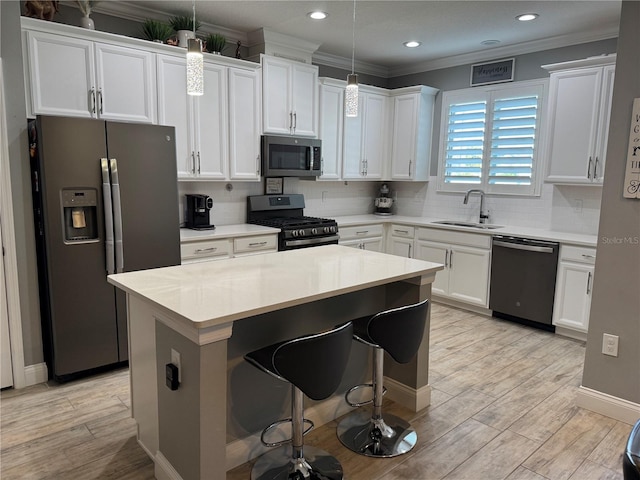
523 280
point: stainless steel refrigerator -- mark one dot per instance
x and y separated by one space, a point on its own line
105 200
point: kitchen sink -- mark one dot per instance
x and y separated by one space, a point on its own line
457 223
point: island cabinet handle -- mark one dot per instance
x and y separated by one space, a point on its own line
205 250
257 244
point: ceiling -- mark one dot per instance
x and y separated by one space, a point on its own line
451 31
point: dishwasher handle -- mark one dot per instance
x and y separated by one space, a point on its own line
520 246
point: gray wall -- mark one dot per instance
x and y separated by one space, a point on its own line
11 53
615 306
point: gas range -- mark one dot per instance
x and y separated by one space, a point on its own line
286 213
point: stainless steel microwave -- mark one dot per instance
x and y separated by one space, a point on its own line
291 156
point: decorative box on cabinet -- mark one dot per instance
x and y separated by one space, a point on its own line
366 137
401 240
74 76
365 237
467 260
574 283
411 133
580 95
290 97
212 142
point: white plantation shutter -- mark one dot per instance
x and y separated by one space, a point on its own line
490 138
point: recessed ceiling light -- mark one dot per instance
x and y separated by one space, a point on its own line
318 15
490 42
527 17
412 44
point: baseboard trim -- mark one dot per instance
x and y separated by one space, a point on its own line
245 449
34 374
163 469
605 404
408 397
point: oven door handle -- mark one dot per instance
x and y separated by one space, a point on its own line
312 241
519 246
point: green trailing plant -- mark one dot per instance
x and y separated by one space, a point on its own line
156 30
183 22
215 42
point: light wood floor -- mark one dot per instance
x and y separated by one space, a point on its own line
503 407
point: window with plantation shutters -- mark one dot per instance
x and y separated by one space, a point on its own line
490 139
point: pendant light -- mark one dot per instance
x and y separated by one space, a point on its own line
195 62
351 92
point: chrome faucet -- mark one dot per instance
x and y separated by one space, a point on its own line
484 215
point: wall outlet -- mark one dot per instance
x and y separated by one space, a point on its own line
610 345
175 359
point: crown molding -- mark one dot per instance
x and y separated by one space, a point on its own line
343 63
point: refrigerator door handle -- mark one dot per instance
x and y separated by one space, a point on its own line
108 217
117 215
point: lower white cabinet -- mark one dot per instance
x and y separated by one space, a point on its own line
400 240
364 237
207 250
465 277
574 283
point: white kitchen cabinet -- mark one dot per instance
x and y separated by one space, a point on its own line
290 97
365 149
467 260
364 237
574 283
244 124
253 245
200 122
400 240
78 77
206 250
580 94
331 127
411 133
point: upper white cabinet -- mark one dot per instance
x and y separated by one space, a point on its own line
77 77
366 144
411 134
331 127
217 134
290 97
580 95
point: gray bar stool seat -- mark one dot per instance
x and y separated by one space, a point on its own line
314 366
399 332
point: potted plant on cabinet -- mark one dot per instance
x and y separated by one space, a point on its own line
215 43
156 31
185 28
86 6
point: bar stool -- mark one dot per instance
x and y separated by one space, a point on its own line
314 365
399 332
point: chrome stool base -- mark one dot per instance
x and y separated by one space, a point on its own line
389 436
278 464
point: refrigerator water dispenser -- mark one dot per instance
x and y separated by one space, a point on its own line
79 213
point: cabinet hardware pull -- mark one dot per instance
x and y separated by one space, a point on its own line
362 232
193 162
410 161
93 100
205 250
584 255
198 155
100 100
295 121
595 169
589 284
589 168
257 244
410 251
403 231
446 258
451 259
290 121
258 165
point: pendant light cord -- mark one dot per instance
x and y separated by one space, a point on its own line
194 18
353 40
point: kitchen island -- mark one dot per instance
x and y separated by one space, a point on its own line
205 316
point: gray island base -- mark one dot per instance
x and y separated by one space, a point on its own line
210 314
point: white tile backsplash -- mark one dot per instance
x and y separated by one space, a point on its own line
573 209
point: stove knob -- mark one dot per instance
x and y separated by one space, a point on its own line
326 230
314 231
333 229
302 233
294 233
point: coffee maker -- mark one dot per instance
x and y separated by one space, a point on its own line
197 215
384 202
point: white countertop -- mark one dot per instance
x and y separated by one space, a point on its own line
224 231
534 233
213 293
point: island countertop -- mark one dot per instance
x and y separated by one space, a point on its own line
213 293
